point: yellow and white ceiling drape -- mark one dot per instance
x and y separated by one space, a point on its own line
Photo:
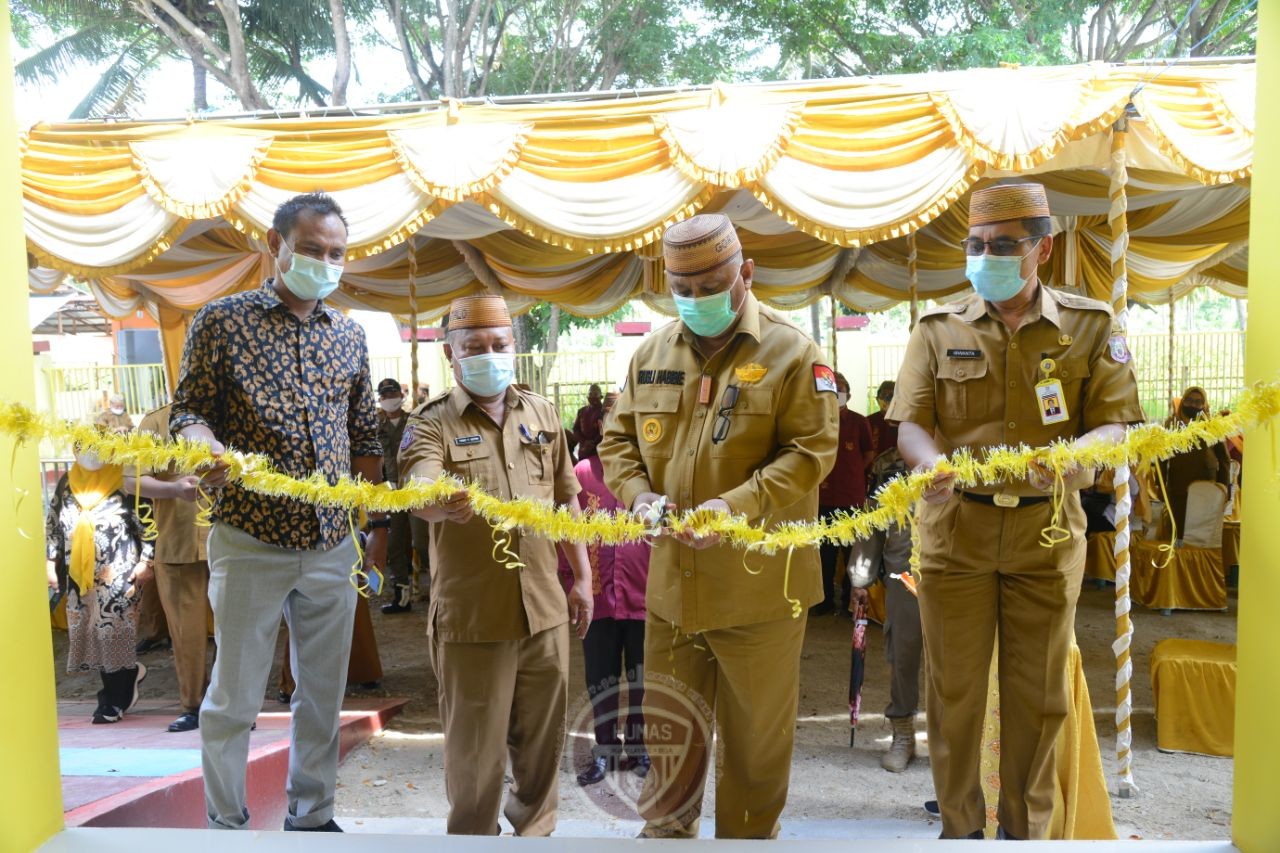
565 202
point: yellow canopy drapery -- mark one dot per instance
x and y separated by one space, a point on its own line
563 201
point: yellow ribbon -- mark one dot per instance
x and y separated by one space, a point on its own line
360 579
1167 547
1055 533
256 473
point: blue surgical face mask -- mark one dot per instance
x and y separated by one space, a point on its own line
488 374
996 278
706 316
309 279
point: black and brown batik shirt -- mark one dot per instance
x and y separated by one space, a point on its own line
297 391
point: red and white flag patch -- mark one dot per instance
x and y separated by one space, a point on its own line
824 378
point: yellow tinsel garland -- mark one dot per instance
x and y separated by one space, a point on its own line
1143 445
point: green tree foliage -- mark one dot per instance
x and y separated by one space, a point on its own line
824 38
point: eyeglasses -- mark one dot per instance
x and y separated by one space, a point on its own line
727 401
1004 246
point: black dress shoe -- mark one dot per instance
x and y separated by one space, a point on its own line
640 765
107 714
331 826
595 771
284 698
931 808
185 723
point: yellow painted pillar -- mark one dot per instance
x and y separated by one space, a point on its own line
30 787
1255 826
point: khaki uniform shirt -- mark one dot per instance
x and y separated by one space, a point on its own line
179 540
972 382
111 421
780 445
474 597
390 433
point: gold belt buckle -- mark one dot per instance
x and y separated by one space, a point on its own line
1006 501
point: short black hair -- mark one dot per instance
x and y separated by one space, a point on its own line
319 203
886 389
1038 226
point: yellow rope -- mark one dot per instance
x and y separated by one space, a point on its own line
255 473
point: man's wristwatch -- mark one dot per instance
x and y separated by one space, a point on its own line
383 523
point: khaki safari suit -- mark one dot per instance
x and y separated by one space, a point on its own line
399 539
182 579
972 382
112 422
498 636
721 632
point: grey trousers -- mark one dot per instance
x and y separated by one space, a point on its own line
250 583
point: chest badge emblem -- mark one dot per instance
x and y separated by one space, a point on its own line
749 373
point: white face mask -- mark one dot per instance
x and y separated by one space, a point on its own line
89 461
117 410
391 404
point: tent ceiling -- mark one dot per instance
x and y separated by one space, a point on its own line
564 202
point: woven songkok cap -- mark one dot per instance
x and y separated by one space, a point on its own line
699 244
1007 202
478 312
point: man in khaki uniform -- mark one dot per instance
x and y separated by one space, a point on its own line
1016 363
730 409
392 420
115 418
498 618
182 578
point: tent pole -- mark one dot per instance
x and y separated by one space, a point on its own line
413 322
1118 218
913 277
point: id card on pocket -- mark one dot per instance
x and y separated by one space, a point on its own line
1053 406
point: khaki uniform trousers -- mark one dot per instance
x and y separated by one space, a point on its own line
972 587
153 625
903 642
184 596
499 700
746 680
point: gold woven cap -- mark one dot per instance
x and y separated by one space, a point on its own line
1006 202
699 244
478 312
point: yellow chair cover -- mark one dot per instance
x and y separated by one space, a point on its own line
1194 682
1193 580
1100 556
1082 806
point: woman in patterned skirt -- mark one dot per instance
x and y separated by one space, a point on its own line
98 556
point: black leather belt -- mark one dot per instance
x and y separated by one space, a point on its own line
1004 501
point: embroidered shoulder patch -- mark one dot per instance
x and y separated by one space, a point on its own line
407 439
824 378
1120 350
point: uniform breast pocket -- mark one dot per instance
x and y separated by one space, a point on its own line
748 429
473 463
1073 373
962 389
657 412
539 463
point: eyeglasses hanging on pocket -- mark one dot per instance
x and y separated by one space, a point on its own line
727 402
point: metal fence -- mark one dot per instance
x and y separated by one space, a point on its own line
79 392
1212 360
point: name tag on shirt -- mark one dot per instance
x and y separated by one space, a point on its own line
466 440
1053 406
964 353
